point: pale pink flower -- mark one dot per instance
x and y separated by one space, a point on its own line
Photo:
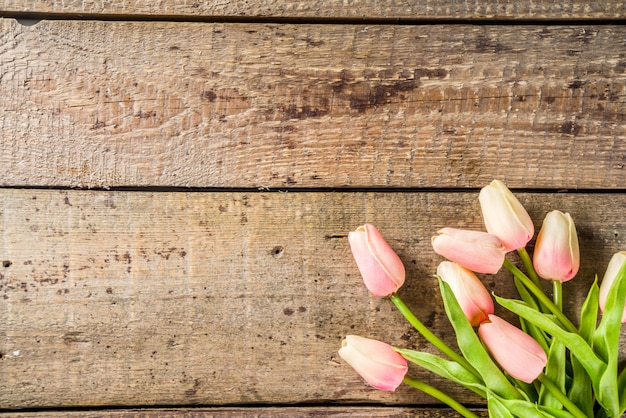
515 351
470 293
475 250
504 216
556 255
616 263
382 270
377 362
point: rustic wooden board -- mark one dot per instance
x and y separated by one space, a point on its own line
332 9
256 412
105 104
128 298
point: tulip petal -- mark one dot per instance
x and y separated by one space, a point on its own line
475 250
614 266
517 352
504 216
470 293
385 255
382 270
377 362
557 256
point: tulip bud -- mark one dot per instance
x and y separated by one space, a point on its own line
616 263
381 268
556 254
377 362
469 291
504 216
515 351
475 250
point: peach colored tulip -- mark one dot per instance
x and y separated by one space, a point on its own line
381 268
616 263
473 297
377 362
515 351
504 216
556 254
475 250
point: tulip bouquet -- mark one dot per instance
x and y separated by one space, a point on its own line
547 367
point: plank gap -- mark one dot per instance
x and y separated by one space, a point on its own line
390 190
32 17
122 410
253 410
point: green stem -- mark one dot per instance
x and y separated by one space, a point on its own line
528 265
541 297
557 294
569 405
432 338
440 396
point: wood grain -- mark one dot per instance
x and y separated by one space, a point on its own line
103 104
128 298
256 412
538 10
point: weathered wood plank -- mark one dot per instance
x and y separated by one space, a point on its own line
256 412
121 298
103 104
333 9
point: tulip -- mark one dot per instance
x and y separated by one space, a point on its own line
517 352
381 268
556 254
504 216
616 263
377 362
475 250
469 291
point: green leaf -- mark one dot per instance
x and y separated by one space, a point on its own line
594 366
522 408
608 393
572 341
556 413
497 408
555 371
528 390
621 384
589 313
581 392
439 395
524 293
602 414
606 344
607 334
448 369
529 328
472 348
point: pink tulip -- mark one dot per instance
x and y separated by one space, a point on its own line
517 352
504 216
616 263
556 254
381 268
475 250
377 362
469 291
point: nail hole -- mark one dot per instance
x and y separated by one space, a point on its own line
1 356
278 251
6 263
28 22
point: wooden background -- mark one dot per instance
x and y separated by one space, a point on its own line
179 179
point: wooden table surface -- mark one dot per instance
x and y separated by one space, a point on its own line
179 178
